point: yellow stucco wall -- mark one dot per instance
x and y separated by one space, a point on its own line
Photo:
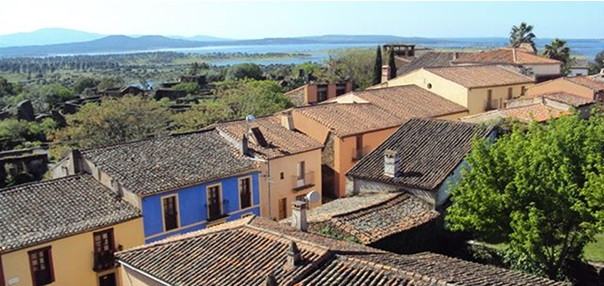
283 188
477 98
560 85
72 257
130 277
344 151
445 88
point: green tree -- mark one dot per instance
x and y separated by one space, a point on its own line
6 88
351 64
188 87
110 122
558 50
598 64
109 82
377 69
17 134
236 99
244 71
538 190
522 34
391 63
83 83
53 95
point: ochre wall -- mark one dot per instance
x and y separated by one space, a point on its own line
72 257
310 126
132 278
445 88
560 85
283 188
345 149
477 98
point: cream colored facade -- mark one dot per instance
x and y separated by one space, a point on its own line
476 100
72 257
281 184
560 85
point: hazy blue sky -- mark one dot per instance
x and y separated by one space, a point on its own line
283 19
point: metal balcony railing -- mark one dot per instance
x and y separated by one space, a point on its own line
103 261
217 211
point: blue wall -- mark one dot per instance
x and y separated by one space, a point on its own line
192 209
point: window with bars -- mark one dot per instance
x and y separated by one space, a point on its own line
214 202
40 262
170 209
245 192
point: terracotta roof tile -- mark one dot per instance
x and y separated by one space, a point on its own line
281 142
162 164
42 211
481 76
564 97
245 253
505 56
538 111
379 109
586 81
428 150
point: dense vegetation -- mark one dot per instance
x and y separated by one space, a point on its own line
539 190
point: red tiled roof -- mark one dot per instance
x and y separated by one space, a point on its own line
505 56
281 142
564 97
586 81
246 251
481 76
538 112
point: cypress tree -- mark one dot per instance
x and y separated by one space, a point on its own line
377 69
391 63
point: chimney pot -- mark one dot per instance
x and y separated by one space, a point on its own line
299 215
391 163
385 73
287 120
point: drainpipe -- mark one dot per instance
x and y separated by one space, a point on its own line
268 181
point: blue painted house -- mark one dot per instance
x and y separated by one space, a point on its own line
181 182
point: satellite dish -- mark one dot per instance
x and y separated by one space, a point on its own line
312 197
250 118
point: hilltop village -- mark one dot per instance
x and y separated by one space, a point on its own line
349 186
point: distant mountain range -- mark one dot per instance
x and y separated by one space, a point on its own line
58 41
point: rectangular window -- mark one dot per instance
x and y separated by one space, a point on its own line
40 262
509 93
321 93
340 89
300 170
107 280
522 90
359 148
282 208
214 202
489 99
245 192
103 241
282 175
170 208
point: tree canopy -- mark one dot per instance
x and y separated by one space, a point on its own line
244 71
522 34
352 64
110 122
188 87
558 50
538 190
377 68
598 64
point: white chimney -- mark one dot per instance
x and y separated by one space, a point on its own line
390 163
287 120
385 73
299 215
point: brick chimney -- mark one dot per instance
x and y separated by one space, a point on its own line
299 215
385 73
294 256
391 164
286 120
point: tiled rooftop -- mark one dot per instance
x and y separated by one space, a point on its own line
162 164
38 212
428 150
566 98
539 112
481 76
246 251
505 56
586 81
281 141
374 109
431 59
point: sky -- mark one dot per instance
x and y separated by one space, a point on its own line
247 20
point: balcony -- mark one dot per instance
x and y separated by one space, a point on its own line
217 211
358 154
303 182
103 261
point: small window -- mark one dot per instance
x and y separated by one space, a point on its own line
40 262
300 170
170 208
282 175
429 86
522 90
214 197
301 197
245 192
509 93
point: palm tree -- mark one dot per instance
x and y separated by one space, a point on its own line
558 50
522 34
